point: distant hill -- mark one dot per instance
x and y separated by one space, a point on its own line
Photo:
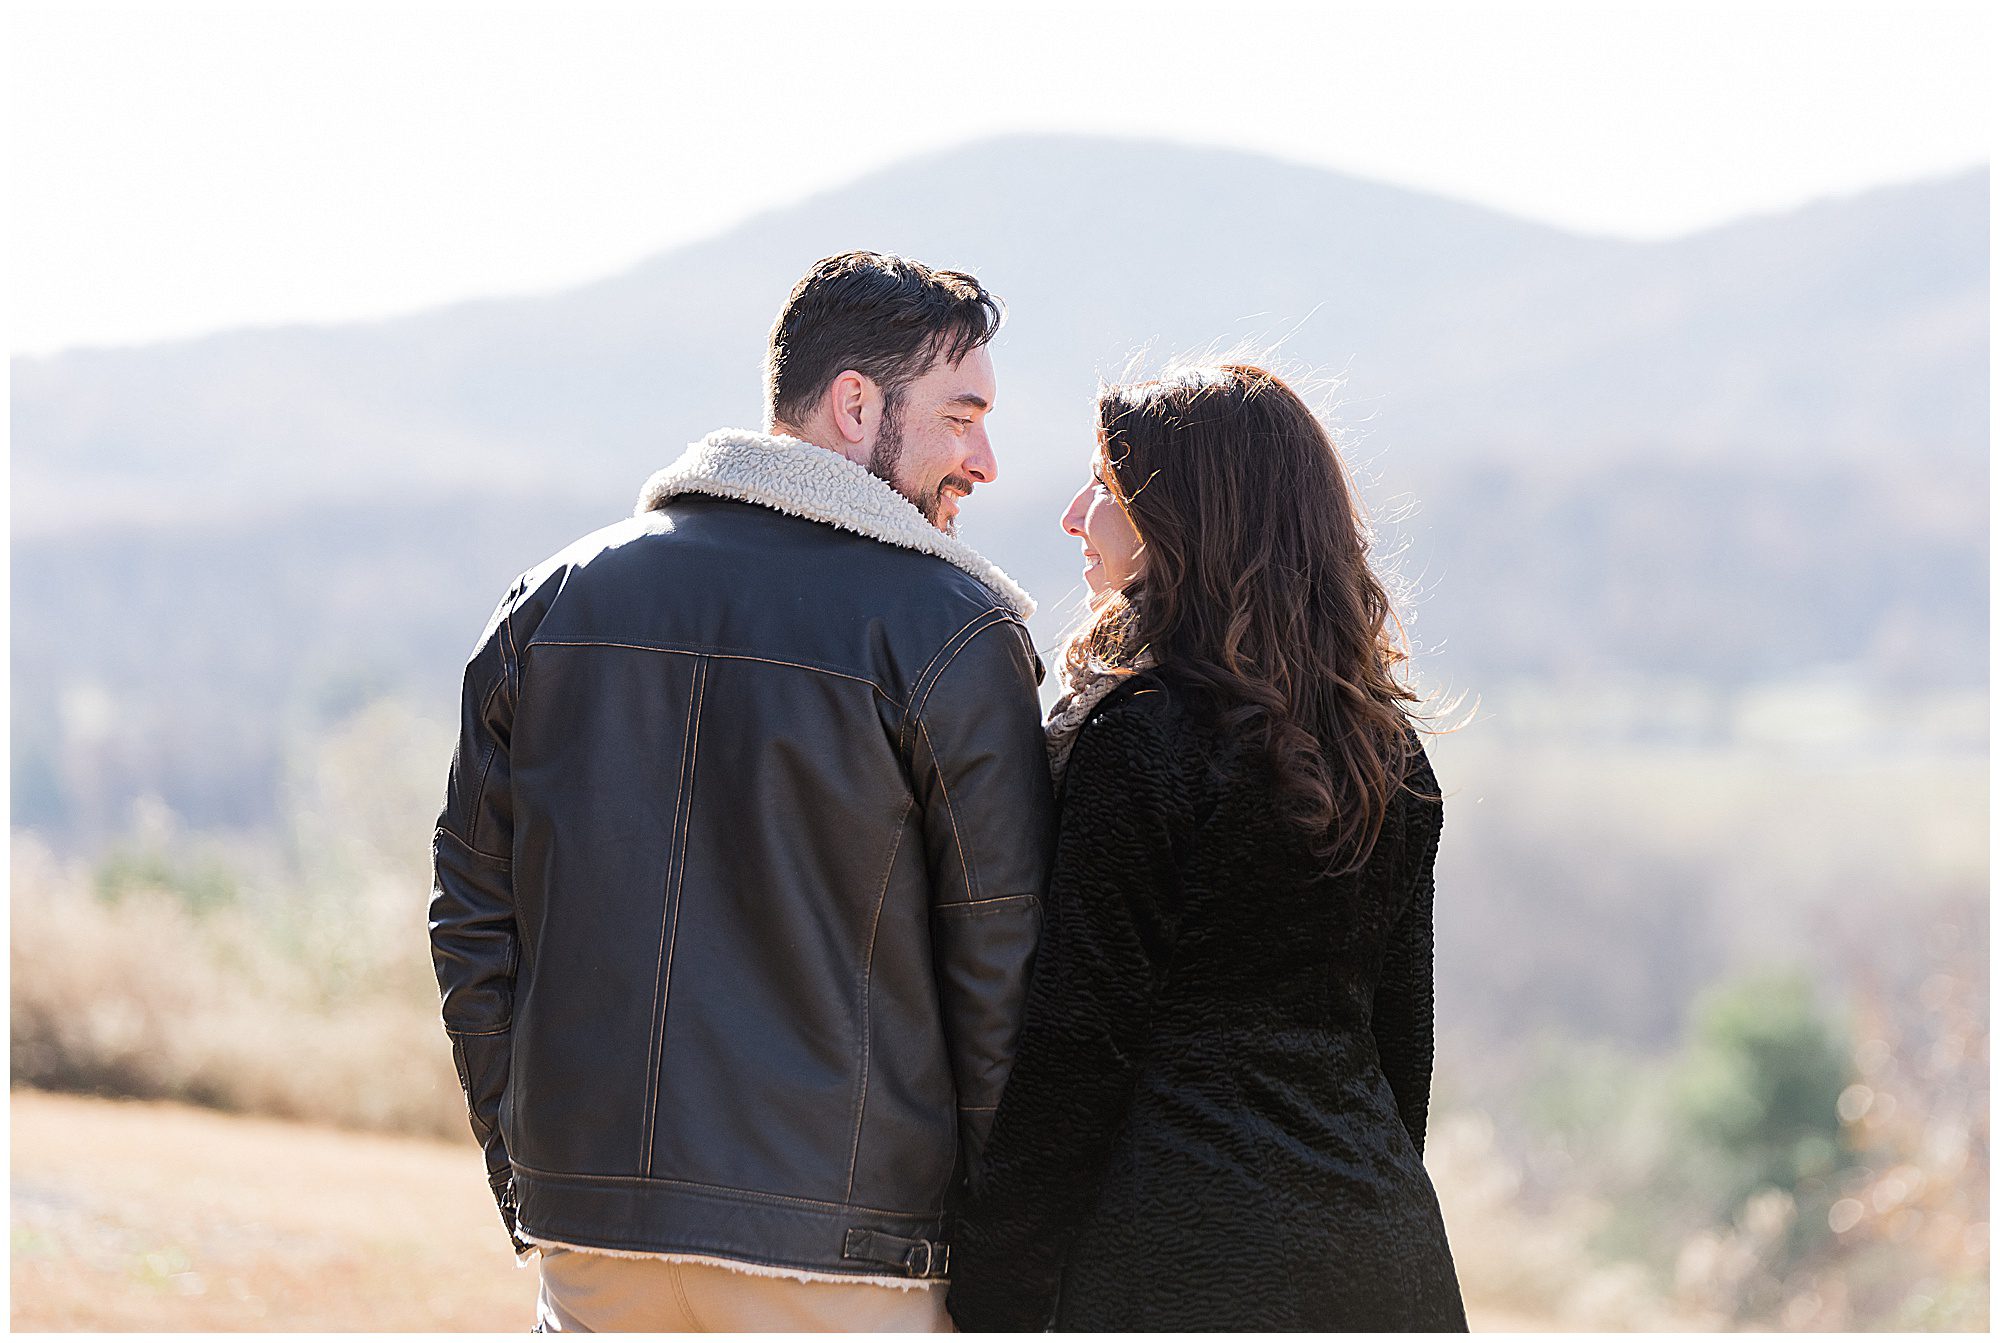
1747 453
1849 327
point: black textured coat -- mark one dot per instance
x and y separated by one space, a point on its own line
1216 1115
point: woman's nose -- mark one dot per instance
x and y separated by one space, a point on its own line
1072 518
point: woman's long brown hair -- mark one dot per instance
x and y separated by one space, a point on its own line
1255 587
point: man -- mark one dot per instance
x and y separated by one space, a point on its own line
740 866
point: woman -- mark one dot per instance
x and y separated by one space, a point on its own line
1216 1114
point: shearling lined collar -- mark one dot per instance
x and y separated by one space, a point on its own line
807 481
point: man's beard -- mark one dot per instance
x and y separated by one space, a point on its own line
887 454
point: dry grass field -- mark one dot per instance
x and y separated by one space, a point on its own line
152 1215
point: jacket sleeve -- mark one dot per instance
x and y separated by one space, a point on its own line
981 777
474 941
1113 907
1403 1018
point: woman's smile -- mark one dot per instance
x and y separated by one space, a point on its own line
1110 544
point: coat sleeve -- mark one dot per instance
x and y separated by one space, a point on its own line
1113 900
1403 1019
987 814
474 941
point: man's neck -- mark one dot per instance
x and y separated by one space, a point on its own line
821 437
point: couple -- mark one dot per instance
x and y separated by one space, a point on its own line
788 988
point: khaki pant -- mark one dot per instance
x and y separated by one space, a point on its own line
601 1293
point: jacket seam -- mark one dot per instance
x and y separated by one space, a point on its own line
917 685
951 812
920 690
687 1306
867 992
485 762
985 900
959 908
920 702
511 657
805 666
450 1029
680 884
711 653
463 843
753 1195
656 1042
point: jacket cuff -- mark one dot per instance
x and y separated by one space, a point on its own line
502 1183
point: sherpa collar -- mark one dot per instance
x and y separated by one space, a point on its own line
808 481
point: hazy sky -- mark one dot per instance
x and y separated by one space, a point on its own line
177 168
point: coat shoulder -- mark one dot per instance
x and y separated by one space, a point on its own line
1421 790
1143 730
1146 712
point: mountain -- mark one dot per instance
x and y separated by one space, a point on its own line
1753 452
1840 328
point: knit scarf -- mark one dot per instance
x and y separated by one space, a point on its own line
1089 682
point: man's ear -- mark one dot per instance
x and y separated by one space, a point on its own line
847 398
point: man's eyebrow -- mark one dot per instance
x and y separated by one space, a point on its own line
973 399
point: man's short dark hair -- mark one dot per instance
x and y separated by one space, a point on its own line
882 315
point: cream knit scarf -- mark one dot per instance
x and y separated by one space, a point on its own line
1088 683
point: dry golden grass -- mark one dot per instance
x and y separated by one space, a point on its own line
318 1017
157 1215
148 1215
1522 1271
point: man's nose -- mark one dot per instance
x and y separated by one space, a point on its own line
982 465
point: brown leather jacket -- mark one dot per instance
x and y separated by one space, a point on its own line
740 873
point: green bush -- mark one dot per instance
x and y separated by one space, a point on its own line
1756 1090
